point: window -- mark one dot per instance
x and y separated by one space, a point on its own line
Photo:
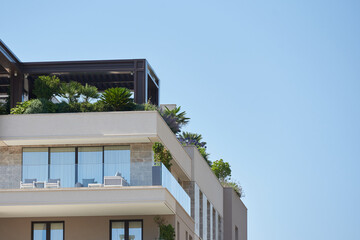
47 231
117 160
74 166
90 164
126 230
62 165
35 164
236 233
178 231
186 235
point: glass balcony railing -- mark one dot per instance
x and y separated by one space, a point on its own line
92 175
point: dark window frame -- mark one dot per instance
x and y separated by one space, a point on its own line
126 226
48 228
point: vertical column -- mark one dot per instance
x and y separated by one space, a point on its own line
196 208
140 82
16 88
205 210
216 226
211 221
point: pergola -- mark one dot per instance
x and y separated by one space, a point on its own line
17 78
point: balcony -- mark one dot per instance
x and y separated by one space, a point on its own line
78 185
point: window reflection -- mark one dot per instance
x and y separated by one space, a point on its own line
62 165
117 160
135 230
118 231
126 230
48 231
35 164
56 231
90 164
39 231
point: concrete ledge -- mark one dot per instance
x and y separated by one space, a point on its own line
86 202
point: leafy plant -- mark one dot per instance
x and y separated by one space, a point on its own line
117 99
236 186
167 231
162 155
20 107
146 107
174 118
221 169
187 138
3 109
89 92
70 91
46 87
40 106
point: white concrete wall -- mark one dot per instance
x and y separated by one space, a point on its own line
235 215
206 179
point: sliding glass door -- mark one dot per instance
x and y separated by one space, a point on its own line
35 164
117 160
90 167
62 165
73 165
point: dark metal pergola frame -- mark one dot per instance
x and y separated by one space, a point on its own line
135 74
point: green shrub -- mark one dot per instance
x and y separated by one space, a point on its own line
62 107
98 106
146 107
70 91
74 107
221 169
167 231
236 186
174 119
46 87
89 92
162 155
20 107
117 99
40 106
3 109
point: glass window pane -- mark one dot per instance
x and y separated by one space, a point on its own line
117 159
135 230
39 231
90 164
35 164
56 231
118 231
62 166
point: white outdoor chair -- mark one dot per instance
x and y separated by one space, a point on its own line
52 183
28 183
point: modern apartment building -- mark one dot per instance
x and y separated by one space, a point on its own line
92 176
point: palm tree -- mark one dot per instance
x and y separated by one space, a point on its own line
174 118
89 92
179 116
70 91
118 99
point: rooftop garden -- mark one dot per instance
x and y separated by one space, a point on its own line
54 96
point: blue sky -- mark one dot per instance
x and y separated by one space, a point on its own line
273 86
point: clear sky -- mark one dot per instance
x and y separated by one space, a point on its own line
273 86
